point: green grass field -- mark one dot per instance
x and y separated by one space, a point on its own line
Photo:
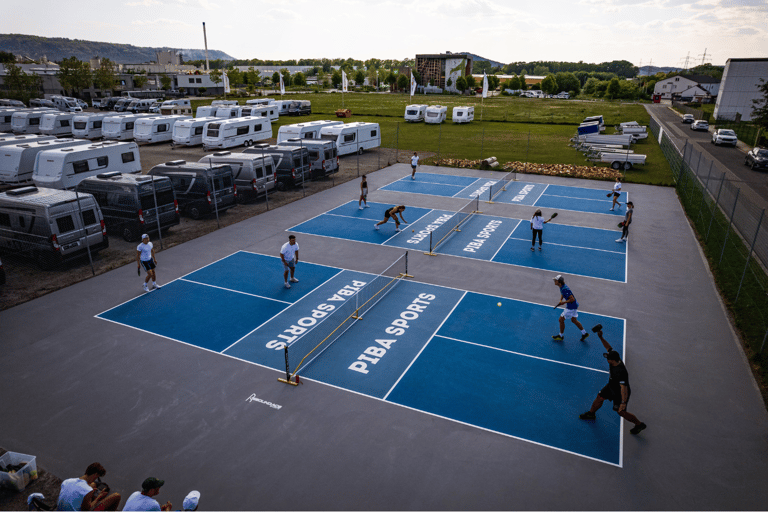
512 129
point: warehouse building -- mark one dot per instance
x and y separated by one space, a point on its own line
739 86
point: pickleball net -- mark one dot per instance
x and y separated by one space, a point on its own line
306 349
500 185
441 233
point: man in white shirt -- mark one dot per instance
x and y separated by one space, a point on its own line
145 257
145 500
290 256
81 494
414 164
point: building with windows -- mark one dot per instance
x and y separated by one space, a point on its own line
739 86
438 69
700 87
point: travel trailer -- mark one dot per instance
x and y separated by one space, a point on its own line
268 111
88 126
228 112
415 113
260 101
176 107
309 130
120 126
56 123
11 140
242 131
436 114
463 114
353 137
64 168
17 162
27 121
189 132
155 128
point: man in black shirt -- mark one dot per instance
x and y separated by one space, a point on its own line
617 390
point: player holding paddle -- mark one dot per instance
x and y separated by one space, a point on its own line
616 194
571 309
537 226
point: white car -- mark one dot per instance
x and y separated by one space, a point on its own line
723 136
688 118
700 125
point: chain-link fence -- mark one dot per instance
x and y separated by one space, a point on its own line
733 232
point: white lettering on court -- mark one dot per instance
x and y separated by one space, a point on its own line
253 398
482 236
521 195
483 189
424 233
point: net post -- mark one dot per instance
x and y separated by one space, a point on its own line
430 253
406 274
287 379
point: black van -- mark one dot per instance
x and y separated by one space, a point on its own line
197 186
109 103
291 163
127 202
323 155
300 108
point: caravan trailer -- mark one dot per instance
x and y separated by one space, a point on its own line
353 137
50 226
66 167
224 103
463 114
260 101
18 162
415 113
310 130
120 126
88 126
254 174
12 140
56 123
28 121
268 111
189 132
436 114
176 107
228 112
155 128
242 131
282 107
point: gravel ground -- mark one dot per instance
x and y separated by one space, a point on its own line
46 484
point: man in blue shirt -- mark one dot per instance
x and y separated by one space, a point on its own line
571 309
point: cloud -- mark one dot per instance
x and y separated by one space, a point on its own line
162 21
143 3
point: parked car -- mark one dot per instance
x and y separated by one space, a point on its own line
700 126
757 159
688 118
724 136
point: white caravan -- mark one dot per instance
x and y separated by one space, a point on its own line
282 107
242 131
189 132
28 121
436 114
463 114
228 112
120 126
64 168
11 140
269 111
88 126
56 123
176 107
415 113
17 162
353 137
223 103
206 111
310 130
155 128
260 101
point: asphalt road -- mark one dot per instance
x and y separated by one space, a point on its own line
726 159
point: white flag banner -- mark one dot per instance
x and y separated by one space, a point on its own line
282 85
344 82
226 82
485 85
413 84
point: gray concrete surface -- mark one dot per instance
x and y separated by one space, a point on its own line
77 389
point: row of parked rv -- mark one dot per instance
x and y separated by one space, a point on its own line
436 114
613 149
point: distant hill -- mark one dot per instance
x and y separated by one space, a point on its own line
652 70
58 48
494 63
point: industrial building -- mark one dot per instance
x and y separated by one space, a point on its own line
739 86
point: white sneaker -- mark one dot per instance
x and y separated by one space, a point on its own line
366 205
155 286
413 177
145 287
621 240
361 207
294 280
397 230
610 210
376 227
287 285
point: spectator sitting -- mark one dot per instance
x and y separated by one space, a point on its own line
82 494
191 501
144 500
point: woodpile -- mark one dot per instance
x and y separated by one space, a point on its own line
572 171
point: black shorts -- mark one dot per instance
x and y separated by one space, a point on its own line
616 194
148 265
614 396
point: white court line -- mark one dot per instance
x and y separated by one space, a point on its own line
571 246
537 199
521 354
505 241
233 291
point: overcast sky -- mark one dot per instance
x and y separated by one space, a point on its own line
663 32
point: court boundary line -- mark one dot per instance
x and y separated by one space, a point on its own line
328 212
233 291
505 241
570 246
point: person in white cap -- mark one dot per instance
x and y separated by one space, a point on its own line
145 257
191 501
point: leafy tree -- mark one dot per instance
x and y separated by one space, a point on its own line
275 79
299 79
523 85
613 89
514 83
449 82
286 76
402 81
373 76
461 83
104 78
21 85
541 71
215 76
590 87
336 79
359 77
139 81
236 77
567 81
493 82
471 82
7 58
760 106
549 84
165 82
202 90
416 76
252 76
74 74
391 78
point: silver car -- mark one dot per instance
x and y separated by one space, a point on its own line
723 136
700 126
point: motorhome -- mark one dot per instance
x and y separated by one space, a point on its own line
39 103
50 226
64 103
532 94
139 106
260 101
17 162
415 113
176 107
109 103
189 132
353 137
120 126
268 111
436 114
254 174
56 123
27 121
228 112
323 155
155 128
463 114
300 108
291 164
242 131
122 104
310 130
64 168
200 189
133 204
5 102
11 140
88 126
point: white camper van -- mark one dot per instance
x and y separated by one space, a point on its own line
176 107
64 168
88 126
155 128
189 132
64 103
260 101
120 126
463 114
254 173
56 123
310 130
353 137
17 162
415 113
268 111
436 114
27 121
242 131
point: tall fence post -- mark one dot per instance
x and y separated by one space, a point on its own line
752 248
717 201
730 222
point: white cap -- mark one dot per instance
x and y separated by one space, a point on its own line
558 278
144 236
190 502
